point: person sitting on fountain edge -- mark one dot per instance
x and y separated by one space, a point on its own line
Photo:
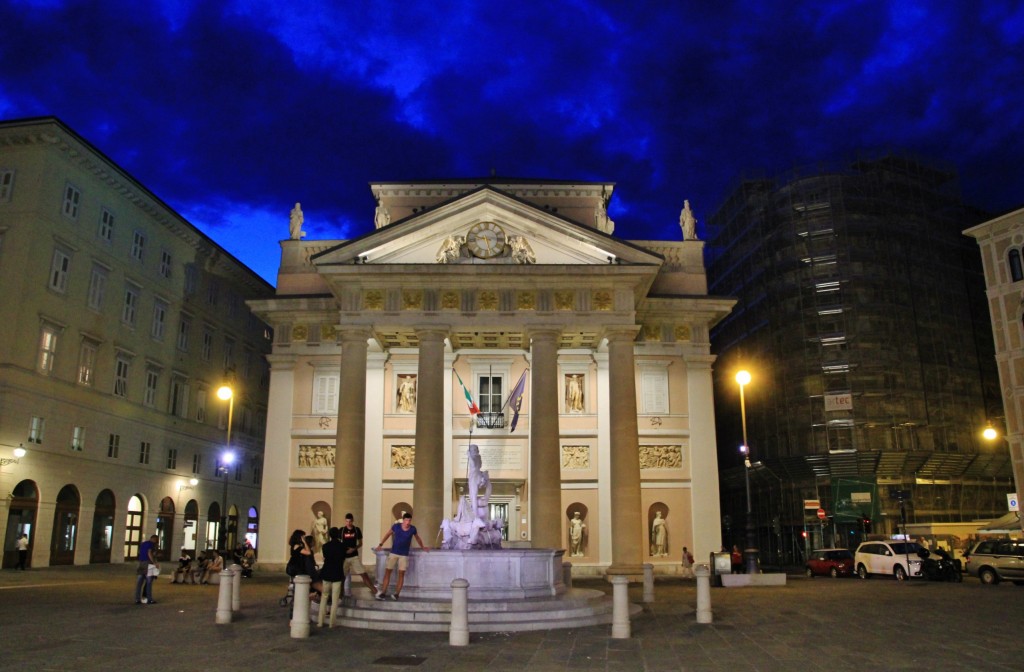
403 532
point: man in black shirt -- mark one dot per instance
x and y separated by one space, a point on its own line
352 540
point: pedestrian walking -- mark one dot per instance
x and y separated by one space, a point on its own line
147 562
22 544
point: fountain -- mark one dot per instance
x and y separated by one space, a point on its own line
510 589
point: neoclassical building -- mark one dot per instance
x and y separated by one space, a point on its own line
120 320
1001 242
464 289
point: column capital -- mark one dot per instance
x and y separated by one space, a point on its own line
354 334
622 334
543 332
432 332
281 362
698 362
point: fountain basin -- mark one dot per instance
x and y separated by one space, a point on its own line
497 574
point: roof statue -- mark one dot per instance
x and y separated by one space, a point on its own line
295 223
688 222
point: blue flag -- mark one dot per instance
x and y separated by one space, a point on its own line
516 400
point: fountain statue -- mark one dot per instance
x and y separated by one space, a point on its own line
472 526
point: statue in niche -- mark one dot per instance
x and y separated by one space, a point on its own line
451 249
295 223
577 532
659 535
521 252
688 222
320 528
574 393
472 527
407 394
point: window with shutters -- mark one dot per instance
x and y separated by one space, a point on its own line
325 393
654 390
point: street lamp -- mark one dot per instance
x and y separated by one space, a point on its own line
750 552
19 453
227 457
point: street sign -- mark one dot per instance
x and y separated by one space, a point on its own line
821 514
812 504
1012 502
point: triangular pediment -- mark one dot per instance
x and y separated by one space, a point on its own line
486 227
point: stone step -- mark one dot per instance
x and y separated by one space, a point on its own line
577 608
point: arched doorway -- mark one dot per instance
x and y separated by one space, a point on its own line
102 528
212 526
252 526
21 519
133 528
191 527
232 537
165 529
65 526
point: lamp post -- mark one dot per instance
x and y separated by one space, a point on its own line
19 453
227 457
750 552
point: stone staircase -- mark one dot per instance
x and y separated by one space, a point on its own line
577 607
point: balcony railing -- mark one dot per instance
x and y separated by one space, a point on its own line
490 420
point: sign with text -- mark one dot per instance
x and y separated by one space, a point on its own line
838 402
812 503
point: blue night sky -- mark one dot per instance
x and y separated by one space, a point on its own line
233 111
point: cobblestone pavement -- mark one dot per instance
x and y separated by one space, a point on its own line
84 618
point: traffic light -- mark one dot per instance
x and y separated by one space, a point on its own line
867 525
803 533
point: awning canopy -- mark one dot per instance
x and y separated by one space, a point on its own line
1007 524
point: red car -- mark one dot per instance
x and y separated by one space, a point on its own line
831 561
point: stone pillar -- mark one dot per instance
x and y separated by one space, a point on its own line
648 582
428 487
567 574
224 598
706 512
545 465
236 587
626 517
300 607
620 608
703 574
278 462
458 633
350 440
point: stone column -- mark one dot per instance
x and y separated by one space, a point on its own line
626 517
350 441
706 512
278 462
545 465
428 487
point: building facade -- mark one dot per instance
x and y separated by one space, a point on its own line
860 320
122 321
1002 245
464 290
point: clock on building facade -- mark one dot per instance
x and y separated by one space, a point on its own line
485 240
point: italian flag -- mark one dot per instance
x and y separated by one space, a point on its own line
473 408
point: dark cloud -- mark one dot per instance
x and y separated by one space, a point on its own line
232 112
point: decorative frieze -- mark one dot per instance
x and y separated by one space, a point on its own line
661 457
373 299
316 457
575 457
601 299
403 457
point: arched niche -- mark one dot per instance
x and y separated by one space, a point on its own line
134 520
102 527
65 526
21 519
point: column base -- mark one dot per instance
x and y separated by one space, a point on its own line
635 573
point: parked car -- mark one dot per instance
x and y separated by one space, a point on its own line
832 561
995 560
892 557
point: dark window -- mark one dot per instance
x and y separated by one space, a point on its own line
1016 272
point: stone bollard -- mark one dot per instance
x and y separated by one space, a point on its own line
300 607
620 607
458 635
648 582
224 597
346 589
236 587
567 574
703 574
